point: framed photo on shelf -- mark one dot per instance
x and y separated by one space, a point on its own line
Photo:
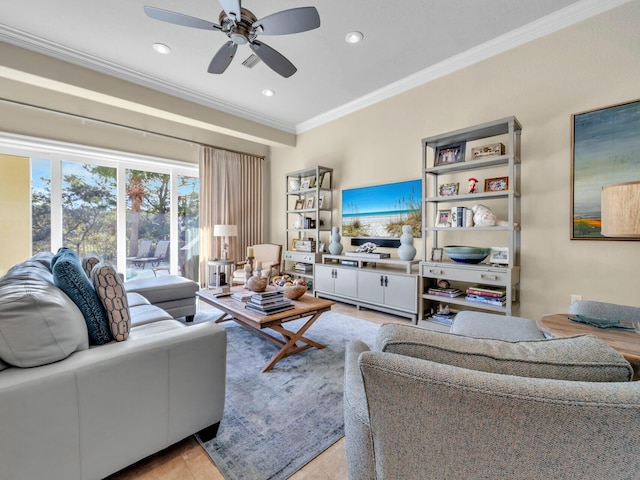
321 179
320 201
312 182
499 255
305 184
448 189
321 247
497 184
309 203
436 254
443 219
449 154
299 204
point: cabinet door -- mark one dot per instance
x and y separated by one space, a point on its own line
401 292
371 286
346 282
323 278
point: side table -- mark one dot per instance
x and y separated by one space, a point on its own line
219 265
627 342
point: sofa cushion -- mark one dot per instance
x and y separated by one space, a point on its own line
578 358
69 276
114 300
491 325
89 261
39 323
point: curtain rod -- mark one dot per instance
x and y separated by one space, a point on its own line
126 127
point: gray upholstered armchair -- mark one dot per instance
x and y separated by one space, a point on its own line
432 405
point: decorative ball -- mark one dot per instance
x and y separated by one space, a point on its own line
257 284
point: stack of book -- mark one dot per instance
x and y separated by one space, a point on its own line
303 267
242 296
445 292
268 303
487 294
442 318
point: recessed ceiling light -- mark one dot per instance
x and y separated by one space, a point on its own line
267 92
354 37
161 48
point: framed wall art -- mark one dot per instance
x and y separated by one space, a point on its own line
605 150
448 154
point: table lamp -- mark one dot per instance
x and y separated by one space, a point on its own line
620 205
225 231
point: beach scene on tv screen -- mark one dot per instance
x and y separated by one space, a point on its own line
380 211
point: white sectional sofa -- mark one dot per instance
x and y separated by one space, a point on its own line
72 410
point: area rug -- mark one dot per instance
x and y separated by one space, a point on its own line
276 422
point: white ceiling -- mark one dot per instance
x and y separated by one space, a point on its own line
406 43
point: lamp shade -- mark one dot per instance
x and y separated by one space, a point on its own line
225 230
620 204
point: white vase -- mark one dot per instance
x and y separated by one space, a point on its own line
294 185
406 251
335 247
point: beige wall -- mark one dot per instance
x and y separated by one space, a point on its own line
590 65
15 211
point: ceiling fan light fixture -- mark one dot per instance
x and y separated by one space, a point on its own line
162 48
354 37
267 92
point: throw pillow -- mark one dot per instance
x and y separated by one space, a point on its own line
39 324
114 300
69 276
89 261
579 358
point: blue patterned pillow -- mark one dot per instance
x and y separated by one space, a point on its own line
69 276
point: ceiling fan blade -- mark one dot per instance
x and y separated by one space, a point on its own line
274 60
231 8
295 20
222 59
179 18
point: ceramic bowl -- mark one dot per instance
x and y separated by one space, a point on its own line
467 254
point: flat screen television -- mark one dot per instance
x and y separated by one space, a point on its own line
380 211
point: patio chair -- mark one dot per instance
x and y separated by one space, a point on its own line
161 253
144 255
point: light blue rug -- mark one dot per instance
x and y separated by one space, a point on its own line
277 422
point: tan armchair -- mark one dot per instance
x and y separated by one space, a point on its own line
268 254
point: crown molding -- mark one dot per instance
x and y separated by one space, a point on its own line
51 49
551 23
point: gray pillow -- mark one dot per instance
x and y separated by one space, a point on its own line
578 358
39 324
69 276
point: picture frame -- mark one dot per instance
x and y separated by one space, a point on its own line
448 189
321 179
309 203
320 201
605 150
299 204
499 255
321 247
436 254
491 150
497 184
304 185
444 218
312 182
448 154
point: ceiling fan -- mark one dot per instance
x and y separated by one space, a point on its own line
242 27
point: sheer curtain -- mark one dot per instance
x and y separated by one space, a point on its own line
231 193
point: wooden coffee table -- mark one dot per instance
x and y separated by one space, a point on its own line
305 306
627 342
